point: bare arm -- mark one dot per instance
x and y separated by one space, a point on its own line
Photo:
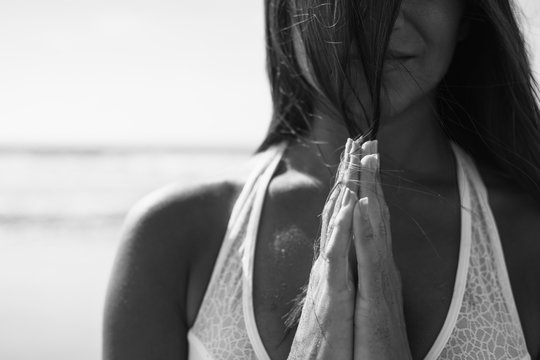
147 301
144 311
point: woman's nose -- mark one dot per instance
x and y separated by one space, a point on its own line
400 20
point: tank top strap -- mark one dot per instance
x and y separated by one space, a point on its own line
219 327
248 253
465 244
492 236
488 291
243 207
245 200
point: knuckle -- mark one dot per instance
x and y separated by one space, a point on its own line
334 253
339 219
383 231
326 214
367 232
330 255
339 290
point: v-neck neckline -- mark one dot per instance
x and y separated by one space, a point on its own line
459 283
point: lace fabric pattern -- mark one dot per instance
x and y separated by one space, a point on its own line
220 323
486 327
220 326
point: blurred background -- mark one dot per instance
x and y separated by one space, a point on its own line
102 102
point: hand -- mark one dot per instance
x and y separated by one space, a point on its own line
343 319
325 329
379 323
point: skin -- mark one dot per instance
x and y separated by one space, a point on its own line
343 318
421 47
149 311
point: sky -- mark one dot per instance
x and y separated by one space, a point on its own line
116 72
138 72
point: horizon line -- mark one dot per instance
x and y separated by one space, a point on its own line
49 149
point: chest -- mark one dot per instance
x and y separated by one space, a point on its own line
426 249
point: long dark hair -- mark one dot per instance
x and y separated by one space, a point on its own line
326 29
487 101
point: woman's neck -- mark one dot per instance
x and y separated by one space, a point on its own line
412 145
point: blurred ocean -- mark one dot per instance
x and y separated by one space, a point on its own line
61 212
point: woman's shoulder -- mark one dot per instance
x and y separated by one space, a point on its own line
184 218
169 242
176 232
181 214
188 215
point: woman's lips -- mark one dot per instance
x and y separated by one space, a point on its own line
394 62
398 55
391 57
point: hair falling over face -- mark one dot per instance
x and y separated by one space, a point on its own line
487 102
327 33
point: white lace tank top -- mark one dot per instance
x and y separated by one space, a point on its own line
482 321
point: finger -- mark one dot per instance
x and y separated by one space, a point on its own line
383 208
336 253
353 183
343 179
337 221
329 208
366 250
368 178
333 202
378 211
370 147
353 175
347 167
344 162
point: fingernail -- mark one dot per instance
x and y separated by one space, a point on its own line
370 161
356 146
364 162
370 147
366 147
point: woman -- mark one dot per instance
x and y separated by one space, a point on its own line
434 256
